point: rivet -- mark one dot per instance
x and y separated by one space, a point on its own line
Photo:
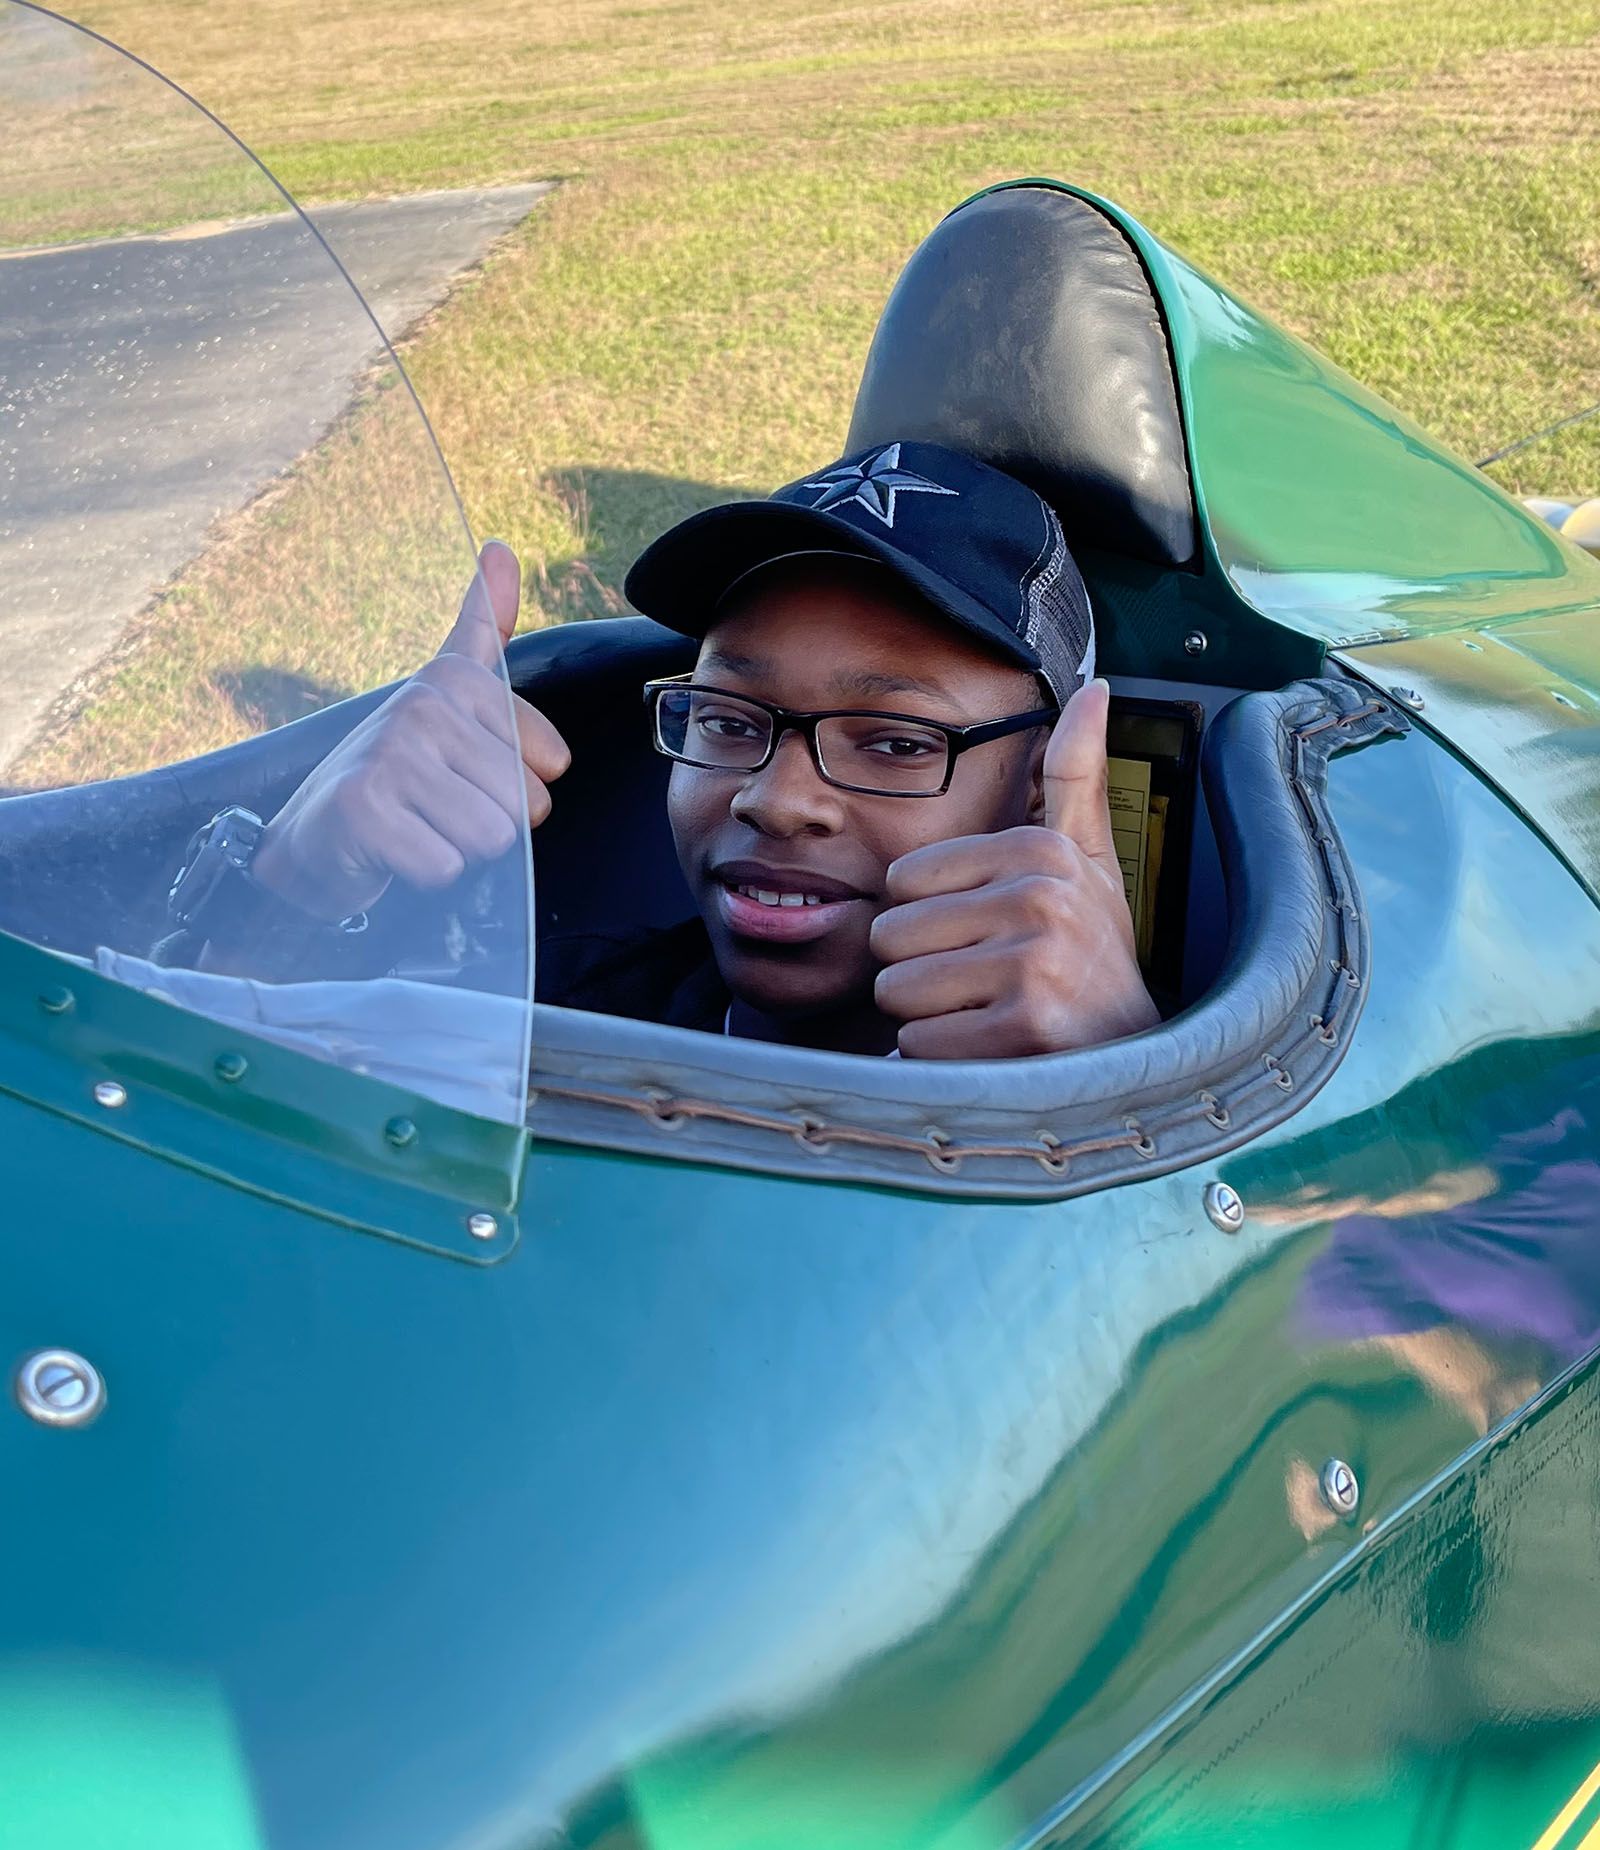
482 1226
401 1132
1195 643
1224 1207
110 1093
1409 697
57 1387
1340 1490
56 1001
231 1066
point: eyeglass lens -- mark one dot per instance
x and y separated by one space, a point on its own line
722 732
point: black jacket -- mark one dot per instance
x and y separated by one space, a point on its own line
668 976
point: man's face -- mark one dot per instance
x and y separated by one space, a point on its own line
823 633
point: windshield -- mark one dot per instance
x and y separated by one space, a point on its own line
226 535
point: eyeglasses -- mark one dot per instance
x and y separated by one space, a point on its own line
874 754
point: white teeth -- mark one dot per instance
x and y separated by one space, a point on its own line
765 897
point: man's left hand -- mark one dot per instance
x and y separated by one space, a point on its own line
1019 942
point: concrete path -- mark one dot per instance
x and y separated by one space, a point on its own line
149 386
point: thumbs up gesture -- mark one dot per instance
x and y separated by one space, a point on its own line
1019 942
432 782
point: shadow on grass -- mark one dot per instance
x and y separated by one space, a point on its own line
617 513
268 697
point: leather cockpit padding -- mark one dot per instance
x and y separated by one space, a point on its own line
1025 331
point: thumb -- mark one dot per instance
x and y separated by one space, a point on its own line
1074 775
488 616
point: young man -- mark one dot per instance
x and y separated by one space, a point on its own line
889 788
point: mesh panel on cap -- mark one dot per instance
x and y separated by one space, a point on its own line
1057 621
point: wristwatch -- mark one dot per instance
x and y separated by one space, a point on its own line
213 900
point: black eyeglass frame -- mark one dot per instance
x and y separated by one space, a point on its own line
958 739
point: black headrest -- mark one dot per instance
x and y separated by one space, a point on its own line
1024 331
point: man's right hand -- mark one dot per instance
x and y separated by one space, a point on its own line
429 784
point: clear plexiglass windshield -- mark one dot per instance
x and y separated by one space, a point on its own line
257 742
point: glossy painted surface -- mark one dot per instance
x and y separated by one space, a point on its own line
737 1511
1439 1696
1521 701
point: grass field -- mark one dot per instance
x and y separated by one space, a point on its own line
1411 186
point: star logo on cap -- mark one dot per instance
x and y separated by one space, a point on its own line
873 484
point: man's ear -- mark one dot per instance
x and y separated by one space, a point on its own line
1036 803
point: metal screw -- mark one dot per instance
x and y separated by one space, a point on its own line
1195 643
59 1388
1340 1490
231 1066
482 1226
110 1093
401 1132
1409 697
56 1001
1224 1207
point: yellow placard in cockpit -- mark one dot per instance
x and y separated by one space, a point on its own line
1128 787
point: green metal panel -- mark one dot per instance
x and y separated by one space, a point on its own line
252 1115
1522 702
1438 1694
730 1509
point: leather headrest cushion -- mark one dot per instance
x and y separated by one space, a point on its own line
1024 331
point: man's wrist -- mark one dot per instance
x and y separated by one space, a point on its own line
229 920
281 870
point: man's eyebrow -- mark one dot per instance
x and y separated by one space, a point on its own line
868 684
858 684
732 660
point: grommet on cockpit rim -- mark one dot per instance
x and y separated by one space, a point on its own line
1216 1112
1144 1144
111 1093
482 1226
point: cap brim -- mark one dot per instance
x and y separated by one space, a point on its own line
681 578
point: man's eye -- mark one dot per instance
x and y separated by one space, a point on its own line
726 726
901 745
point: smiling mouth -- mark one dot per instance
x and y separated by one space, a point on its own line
771 913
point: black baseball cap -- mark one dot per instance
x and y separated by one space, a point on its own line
977 544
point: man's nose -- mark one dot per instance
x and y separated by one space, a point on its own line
787 797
